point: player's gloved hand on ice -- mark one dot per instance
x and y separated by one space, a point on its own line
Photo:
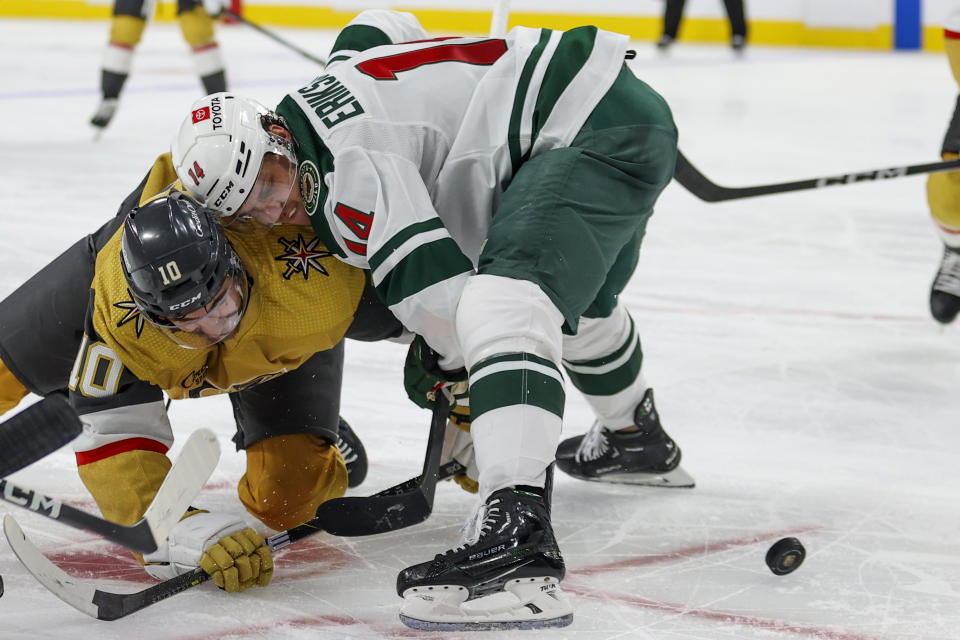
214 7
458 445
423 378
228 550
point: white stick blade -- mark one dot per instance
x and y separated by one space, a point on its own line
184 481
71 590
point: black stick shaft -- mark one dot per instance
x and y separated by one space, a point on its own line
138 538
274 37
35 432
702 187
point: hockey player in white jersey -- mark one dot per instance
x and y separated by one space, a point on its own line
498 190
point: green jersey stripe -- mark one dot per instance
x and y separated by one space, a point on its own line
591 366
401 237
513 388
569 57
511 357
423 267
359 37
312 152
550 372
520 97
609 382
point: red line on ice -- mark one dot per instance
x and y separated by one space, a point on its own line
689 552
396 630
705 614
720 616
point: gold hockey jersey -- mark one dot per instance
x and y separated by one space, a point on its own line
302 300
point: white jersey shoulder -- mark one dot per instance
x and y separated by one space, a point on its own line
463 112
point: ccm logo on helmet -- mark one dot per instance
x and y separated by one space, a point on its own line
213 113
185 303
223 194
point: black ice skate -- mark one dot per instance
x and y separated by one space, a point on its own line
648 456
945 291
104 113
507 578
354 455
665 42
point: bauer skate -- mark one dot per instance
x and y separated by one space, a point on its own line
354 455
646 457
508 577
945 291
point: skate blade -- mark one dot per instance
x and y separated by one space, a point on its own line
676 479
526 603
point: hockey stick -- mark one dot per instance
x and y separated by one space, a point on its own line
355 516
274 37
399 506
184 480
36 431
105 605
701 186
499 18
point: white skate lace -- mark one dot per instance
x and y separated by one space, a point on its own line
480 523
948 278
593 445
349 455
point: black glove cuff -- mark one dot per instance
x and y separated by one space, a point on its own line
430 360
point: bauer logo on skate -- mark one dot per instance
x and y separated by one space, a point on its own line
487 552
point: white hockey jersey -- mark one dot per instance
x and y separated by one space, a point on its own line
406 148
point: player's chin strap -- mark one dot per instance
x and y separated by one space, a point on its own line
403 505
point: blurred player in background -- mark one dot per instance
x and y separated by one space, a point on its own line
498 190
943 196
673 14
130 17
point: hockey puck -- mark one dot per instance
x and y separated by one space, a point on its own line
785 556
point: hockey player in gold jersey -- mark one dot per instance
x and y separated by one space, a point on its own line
284 422
943 196
170 278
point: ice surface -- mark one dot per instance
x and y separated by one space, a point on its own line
787 338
